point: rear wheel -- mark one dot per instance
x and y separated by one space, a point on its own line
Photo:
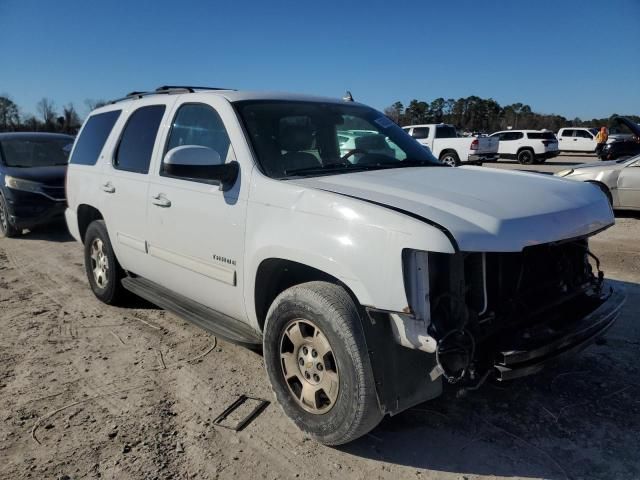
450 158
6 228
102 267
526 157
317 361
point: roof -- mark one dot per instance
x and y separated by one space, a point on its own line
228 94
25 135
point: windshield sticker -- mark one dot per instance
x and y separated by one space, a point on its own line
384 122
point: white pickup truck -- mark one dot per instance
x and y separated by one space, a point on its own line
446 145
371 276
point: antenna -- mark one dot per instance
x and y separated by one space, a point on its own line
348 97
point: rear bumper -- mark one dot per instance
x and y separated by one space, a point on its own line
72 223
574 337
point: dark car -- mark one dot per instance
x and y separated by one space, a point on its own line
629 147
32 175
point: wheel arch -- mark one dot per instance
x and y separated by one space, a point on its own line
275 275
526 147
86 215
448 150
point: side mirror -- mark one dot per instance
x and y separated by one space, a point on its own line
199 163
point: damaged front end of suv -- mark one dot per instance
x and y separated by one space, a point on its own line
490 315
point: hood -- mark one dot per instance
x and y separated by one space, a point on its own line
634 127
483 209
605 165
53 176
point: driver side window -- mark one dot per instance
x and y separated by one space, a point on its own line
197 124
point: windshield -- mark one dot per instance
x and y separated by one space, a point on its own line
294 139
36 151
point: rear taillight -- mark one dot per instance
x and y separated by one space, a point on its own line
474 144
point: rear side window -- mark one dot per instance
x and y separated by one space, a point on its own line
139 135
583 134
541 135
567 133
93 136
420 132
446 131
506 136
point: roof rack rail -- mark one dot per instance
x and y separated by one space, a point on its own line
165 89
190 88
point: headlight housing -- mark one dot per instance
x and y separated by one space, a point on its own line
564 173
21 184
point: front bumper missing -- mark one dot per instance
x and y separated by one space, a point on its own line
574 337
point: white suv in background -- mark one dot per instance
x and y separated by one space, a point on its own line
370 276
576 139
527 146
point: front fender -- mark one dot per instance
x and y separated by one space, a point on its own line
354 241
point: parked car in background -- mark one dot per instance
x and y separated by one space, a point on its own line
577 139
32 174
623 146
364 141
618 179
527 146
449 148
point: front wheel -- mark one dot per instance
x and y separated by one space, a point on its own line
102 267
6 228
317 361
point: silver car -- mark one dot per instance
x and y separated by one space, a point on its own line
618 179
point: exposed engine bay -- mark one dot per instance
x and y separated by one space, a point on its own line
507 314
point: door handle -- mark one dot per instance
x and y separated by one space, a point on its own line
161 201
108 187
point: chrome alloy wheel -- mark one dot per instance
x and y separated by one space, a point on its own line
309 366
99 263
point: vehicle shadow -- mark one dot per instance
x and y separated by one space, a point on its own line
578 420
628 214
54 232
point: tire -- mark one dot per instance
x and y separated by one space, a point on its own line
526 157
450 158
103 270
7 230
328 320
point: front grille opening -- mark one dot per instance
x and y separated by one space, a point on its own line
488 292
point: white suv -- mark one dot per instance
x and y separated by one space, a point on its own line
369 283
527 146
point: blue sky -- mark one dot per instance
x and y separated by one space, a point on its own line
574 58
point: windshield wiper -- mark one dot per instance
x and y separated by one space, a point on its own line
328 167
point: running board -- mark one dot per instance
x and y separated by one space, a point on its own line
214 322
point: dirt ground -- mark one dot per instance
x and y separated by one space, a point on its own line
91 391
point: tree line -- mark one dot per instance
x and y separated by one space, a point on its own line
473 114
485 115
49 118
